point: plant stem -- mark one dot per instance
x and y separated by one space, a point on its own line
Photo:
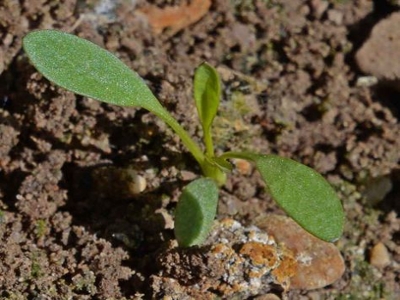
208 167
184 136
208 142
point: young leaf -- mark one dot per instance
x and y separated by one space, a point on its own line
86 69
302 192
207 92
195 212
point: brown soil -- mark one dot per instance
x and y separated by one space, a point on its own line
70 228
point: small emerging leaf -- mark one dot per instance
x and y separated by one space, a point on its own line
86 69
303 193
195 212
207 92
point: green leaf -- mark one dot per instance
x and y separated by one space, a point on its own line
86 69
302 192
207 92
195 212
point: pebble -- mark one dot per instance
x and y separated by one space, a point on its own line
243 166
187 175
111 181
366 81
379 256
379 55
175 17
138 183
319 263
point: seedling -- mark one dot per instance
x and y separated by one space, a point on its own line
86 69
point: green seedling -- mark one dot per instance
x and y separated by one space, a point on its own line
86 69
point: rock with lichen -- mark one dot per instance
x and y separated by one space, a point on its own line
235 261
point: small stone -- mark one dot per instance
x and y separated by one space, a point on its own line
319 263
116 182
366 81
138 183
243 166
187 175
378 56
379 256
176 17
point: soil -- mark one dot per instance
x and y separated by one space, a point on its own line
70 226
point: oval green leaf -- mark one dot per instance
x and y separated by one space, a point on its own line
303 193
86 69
195 212
207 92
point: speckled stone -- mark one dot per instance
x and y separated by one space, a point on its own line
235 261
319 263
